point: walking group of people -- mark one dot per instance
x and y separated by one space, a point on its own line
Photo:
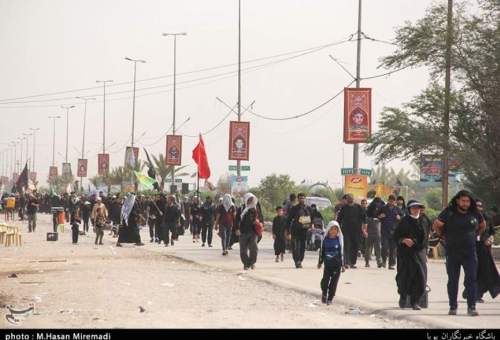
398 234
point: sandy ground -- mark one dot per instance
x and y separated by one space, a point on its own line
105 287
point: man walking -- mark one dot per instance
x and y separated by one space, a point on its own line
390 215
458 225
352 219
299 220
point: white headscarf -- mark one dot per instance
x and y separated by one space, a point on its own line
227 202
247 196
340 235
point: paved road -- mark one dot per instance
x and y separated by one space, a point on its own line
372 290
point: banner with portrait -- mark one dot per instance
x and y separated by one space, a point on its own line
431 167
239 141
173 150
103 164
356 185
357 115
66 169
53 172
131 157
82 168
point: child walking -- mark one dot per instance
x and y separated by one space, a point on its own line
279 229
331 255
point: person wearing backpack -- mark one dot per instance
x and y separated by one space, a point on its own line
331 255
458 226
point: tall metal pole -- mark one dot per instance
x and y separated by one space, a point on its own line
27 135
238 162
104 113
54 138
175 88
355 156
135 61
85 100
446 118
34 145
133 105
67 108
21 153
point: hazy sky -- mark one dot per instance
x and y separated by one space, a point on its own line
58 45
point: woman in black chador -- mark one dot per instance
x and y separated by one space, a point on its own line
129 231
411 237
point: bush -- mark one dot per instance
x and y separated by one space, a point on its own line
431 213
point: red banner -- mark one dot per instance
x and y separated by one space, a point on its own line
173 150
103 164
33 176
239 140
53 172
357 115
82 168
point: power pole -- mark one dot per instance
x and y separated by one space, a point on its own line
446 118
355 155
238 162
104 113
34 148
175 86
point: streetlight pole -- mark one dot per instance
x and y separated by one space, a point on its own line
85 100
238 162
67 108
104 82
54 138
27 135
175 85
21 152
355 156
34 144
135 61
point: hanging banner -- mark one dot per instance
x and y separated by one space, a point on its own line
103 164
131 157
33 176
356 185
173 151
431 167
82 168
5 180
239 141
53 172
357 115
66 169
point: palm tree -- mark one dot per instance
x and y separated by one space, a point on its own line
163 170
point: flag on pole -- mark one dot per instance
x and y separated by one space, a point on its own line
200 158
145 181
22 181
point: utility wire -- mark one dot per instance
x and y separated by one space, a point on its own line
305 113
7 100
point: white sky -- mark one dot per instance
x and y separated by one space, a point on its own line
55 45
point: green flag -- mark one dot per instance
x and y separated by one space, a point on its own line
145 181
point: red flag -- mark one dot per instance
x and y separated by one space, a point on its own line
200 158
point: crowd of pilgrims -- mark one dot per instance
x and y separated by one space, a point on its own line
398 233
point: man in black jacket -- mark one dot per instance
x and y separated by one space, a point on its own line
351 218
299 220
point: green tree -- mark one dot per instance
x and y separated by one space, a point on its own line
433 198
163 170
417 127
